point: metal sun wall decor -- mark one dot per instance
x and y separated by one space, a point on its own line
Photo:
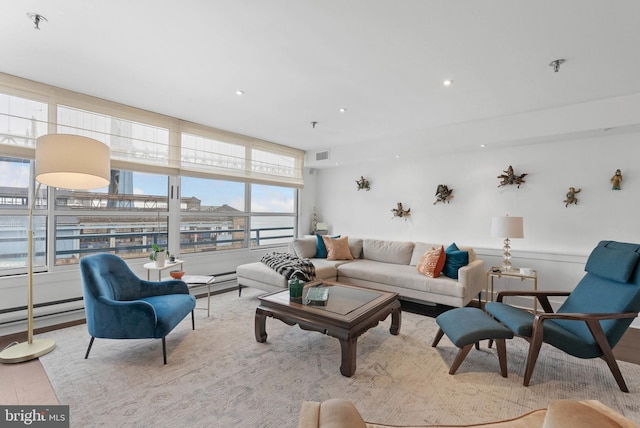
571 197
401 212
509 177
363 184
443 194
616 180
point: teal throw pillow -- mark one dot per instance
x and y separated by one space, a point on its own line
321 251
454 261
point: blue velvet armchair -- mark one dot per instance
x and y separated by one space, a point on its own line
594 316
120 305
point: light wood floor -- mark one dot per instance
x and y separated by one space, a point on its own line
27 383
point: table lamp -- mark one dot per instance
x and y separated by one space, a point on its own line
68 162
507 227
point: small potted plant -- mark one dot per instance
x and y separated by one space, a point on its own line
159 255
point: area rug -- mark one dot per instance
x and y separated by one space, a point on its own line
219 376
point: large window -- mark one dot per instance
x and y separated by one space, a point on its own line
171 181
21 121
273 217
129 141
212 215
16 193
124 218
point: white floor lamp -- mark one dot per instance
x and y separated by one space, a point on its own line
67 162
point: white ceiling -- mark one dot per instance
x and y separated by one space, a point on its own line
299 61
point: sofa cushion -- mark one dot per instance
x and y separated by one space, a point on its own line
355 246
321 248
396 275
432 262
337 248
454 261
387 251
305 248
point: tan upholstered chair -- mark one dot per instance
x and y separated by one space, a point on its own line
338 413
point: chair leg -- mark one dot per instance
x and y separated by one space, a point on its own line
89 348
615 371
534 350
607 353
164 350
193 321
436 339
462 354
502 356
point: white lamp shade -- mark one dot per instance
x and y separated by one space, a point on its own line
72 162
507 227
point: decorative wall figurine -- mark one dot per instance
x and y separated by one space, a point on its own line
401 212
616 180
363 183
443 194
510 177
571 196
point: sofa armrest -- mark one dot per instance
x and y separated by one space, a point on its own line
473 276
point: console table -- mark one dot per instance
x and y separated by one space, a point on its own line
498 272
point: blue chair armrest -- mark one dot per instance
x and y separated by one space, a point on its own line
132 319
161 288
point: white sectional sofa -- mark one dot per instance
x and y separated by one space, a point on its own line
381 265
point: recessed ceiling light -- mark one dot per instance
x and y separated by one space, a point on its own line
397 156
447 82
483 145
342 110
238 92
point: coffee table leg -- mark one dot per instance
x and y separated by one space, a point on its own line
396 320
260 326
348 347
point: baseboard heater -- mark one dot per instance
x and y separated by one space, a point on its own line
225 281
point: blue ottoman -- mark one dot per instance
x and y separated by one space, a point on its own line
466 326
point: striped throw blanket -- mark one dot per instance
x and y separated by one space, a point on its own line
290 266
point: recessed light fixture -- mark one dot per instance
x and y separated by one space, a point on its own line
239 92
447 82
397 156
483 145
342 110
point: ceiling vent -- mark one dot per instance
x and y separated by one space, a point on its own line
322 155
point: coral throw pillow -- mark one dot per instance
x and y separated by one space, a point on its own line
337 248
432 262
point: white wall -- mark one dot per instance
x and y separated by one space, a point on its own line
557 238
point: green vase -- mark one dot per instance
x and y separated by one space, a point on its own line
295 290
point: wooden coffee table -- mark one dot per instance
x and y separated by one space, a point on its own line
349 312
